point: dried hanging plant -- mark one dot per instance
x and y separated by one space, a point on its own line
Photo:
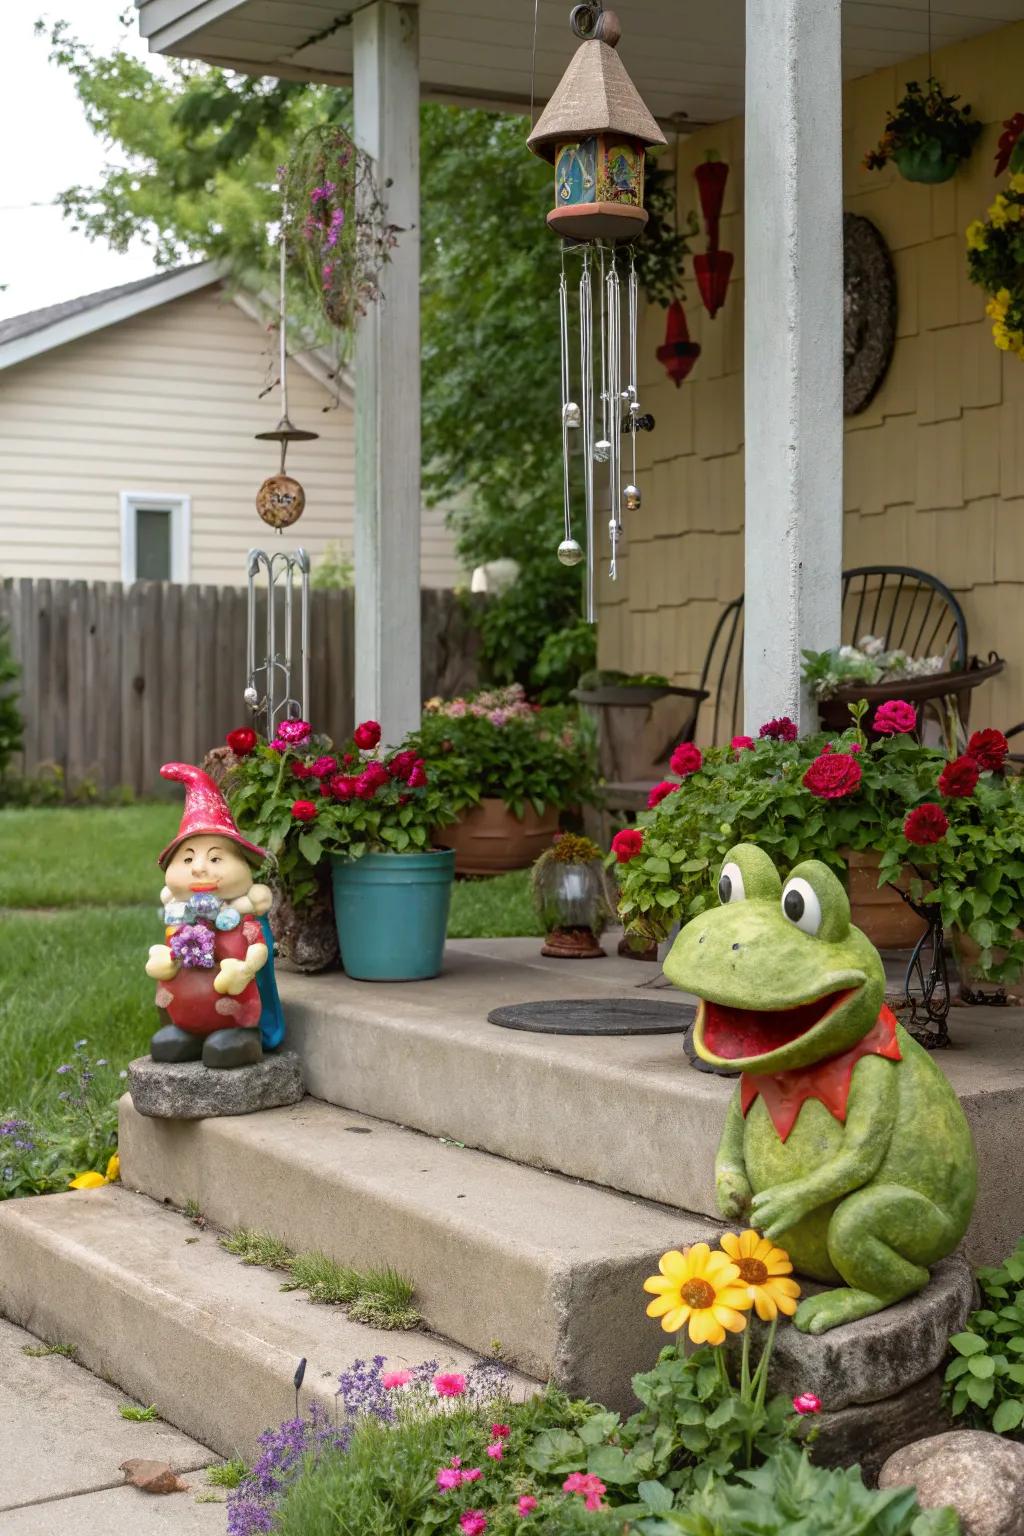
336 223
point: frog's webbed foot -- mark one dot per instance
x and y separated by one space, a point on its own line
881 1240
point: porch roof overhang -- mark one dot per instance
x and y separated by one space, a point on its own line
684 59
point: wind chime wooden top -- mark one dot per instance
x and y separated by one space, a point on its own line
595 130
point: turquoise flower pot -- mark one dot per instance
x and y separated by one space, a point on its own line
391 910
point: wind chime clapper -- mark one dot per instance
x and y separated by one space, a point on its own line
280 499
595 131
270 689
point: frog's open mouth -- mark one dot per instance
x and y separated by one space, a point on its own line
735 1034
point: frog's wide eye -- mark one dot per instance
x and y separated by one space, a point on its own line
730 885
801 905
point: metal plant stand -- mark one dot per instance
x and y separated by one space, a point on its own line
926 984
277 683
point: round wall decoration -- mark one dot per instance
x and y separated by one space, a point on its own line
869 312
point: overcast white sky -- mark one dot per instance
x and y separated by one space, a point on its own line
48 146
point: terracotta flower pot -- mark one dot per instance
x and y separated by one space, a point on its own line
490 838
879 911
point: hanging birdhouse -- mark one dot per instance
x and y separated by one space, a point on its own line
595 131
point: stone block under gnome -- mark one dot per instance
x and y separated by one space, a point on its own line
214 972
843 1142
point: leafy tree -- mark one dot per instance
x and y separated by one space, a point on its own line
193 172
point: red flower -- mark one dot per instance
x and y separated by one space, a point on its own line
658 793
742 744
324 767
302 771
402 764
367 735
686 759
782 729
807 1402
341 786
926 824
241 741
303 810
988 749
627 844
833 775
959 778
417 778
894 718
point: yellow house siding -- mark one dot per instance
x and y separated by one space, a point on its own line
934 471
168 402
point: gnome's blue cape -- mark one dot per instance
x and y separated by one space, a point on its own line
272 1016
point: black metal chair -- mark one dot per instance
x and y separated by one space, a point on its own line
909 609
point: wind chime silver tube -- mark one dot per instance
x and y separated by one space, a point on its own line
569 551
614 347
633 405
302 561
602 445
587 408
283 323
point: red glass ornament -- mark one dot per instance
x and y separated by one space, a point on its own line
711 177
713 270
678 353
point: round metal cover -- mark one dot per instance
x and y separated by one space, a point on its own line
596 1016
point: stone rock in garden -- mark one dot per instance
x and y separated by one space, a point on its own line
980 1474
878 1356
189 1091
868 1434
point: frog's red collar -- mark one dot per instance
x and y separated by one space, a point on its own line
785 1093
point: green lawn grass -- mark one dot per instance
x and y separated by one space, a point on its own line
498 907
96 856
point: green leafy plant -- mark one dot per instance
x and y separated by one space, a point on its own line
334 571
379 1296
257 1248
300 797
984 1383
995 259
42 1351
495 744
73 1129
10 717
820 795
228 1474
929 126
867 662
135 1414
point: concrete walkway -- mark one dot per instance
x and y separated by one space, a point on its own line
63 1441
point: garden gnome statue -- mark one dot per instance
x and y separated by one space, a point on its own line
844 1142
214 973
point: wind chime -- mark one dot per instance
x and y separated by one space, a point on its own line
280 499
595 130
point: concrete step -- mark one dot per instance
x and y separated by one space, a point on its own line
157 1307
549 1269
627 1112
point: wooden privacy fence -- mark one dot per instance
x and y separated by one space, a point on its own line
116 680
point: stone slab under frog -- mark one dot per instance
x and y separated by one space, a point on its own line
843 1142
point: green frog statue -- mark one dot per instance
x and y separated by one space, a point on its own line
843 1142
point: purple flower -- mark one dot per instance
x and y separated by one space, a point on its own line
335 227
64 1070
251 1506
321 194
192 944
12 1127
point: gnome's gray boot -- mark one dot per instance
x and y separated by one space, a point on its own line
232 1048
173 1044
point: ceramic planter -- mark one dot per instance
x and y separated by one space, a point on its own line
490 838
391 911
928 163
879 911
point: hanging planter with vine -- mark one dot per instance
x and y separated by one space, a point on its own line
927 136
995 246
336 223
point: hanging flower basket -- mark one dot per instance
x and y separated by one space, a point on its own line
995 261
713 270
335 223
927 136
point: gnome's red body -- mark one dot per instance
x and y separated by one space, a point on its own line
190 1000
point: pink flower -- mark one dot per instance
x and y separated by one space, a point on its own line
323 767
807 1403
367 735
449 1384
588 1486
658 793
472 1475
392 1379
833 775
294 732
473 1522
742 744
894 718
448 1477
854 747
456 709
498 717
527 1504
496 1450
686 759
500 1431
780 729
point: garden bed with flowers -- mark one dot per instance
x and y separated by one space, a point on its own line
951 829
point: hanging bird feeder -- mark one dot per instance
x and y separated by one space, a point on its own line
595 131
280 499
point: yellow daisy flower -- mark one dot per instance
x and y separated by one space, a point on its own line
699 1290
976 236
764 1270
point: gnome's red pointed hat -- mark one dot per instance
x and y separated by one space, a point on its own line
206 811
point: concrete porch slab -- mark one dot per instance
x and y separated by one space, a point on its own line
626 1112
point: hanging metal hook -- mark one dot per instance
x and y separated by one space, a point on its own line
583 19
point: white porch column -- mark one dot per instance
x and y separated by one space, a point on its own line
793 279
387 364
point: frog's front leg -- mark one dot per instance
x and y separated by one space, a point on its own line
732 1187
870 1118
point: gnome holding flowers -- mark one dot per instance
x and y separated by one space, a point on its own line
214 972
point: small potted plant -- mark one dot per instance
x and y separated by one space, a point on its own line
370 816
927 136
506 769
571 895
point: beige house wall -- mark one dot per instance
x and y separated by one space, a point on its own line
168 402
934 467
